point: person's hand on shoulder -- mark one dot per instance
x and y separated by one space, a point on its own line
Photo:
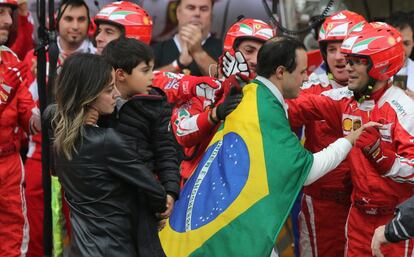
92 116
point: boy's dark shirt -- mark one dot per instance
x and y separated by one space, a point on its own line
144 122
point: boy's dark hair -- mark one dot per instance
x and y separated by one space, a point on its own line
72 3
127 53
400 20
277 51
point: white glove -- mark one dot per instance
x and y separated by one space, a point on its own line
234 64
207 91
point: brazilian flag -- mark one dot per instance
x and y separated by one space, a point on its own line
241 193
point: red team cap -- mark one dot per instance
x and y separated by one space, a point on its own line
247 29
381 44
134 20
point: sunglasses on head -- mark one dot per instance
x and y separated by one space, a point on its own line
352 60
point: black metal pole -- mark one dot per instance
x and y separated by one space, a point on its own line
275 4
53 53
41 84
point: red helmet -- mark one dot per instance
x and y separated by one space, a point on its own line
337 26
135 21
381 44
247 29
12 3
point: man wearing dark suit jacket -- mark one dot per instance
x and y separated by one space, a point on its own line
192 50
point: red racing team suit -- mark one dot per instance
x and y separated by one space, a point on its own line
14 227
193 131
169 83
189 120
24 40
325 203
374 197
180 88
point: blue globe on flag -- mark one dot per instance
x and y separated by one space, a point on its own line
214 185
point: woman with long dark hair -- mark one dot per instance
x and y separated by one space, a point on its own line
100 174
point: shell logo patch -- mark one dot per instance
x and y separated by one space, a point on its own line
347 124
350 123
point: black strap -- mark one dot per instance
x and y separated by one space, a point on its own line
44 96
308 28
53 52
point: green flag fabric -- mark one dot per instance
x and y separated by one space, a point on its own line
241 193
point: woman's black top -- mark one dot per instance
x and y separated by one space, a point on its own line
101 185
